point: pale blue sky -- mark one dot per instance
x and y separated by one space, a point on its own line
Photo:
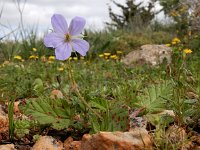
39 12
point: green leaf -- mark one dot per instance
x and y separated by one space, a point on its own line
155 96
61 123
48 111
97 105
95 124
38 86
34 104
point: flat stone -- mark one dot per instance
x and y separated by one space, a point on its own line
133 140
148 54
7 147
47 143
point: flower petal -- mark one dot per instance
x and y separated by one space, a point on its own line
63 51
59 24
53 40
81 46
76 26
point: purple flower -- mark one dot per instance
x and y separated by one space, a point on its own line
64 39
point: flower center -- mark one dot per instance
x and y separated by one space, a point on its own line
67 37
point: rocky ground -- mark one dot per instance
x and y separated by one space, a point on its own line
138 137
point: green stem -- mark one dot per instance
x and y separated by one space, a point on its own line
11 119
79 94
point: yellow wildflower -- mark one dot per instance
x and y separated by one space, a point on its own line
114 56
101 55
82 58
187 51
34 49
33 57
119 52
52 58
176 41
107 54
60 69
75 58
70 58
18 57
168 45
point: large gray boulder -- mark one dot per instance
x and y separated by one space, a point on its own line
148 54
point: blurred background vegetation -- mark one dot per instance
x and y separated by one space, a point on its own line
135 26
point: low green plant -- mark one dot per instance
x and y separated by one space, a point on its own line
23 127
56 113
155 98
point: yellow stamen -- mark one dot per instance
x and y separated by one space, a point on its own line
67 37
